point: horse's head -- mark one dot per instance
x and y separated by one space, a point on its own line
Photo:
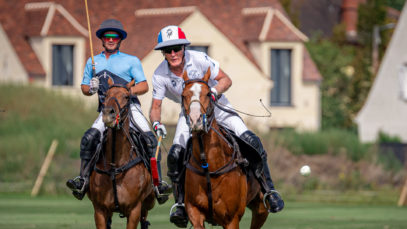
197 105
117 102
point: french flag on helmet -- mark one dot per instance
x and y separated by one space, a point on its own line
171 35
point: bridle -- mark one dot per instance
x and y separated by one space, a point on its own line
123 111
207 120
208 115
121 117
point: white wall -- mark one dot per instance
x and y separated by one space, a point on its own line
384 109
11 68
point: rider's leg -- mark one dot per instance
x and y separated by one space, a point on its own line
163 187
174 163
275 201
236 124
89 143
141 122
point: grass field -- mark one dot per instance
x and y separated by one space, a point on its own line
23 212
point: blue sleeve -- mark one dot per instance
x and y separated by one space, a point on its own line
137 71
87 73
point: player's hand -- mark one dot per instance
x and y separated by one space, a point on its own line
159 129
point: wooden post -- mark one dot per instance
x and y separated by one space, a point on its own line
44 167
403 195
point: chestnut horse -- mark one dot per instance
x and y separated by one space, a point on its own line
121 183
217 189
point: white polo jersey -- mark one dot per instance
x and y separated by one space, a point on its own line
167 84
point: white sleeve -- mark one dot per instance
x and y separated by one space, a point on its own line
158 88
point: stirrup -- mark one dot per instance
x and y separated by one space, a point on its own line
157 192
267 194
176 205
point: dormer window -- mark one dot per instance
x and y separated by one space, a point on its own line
198 48
62 65
281 76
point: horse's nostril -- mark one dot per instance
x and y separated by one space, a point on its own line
111 111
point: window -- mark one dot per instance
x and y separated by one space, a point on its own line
403 81
281 76
62 65
198 48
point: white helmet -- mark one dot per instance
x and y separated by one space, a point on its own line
171 35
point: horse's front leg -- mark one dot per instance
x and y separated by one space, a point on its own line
234 224
134 217
196 217
102 219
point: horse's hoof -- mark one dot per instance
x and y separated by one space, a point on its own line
179 217
144 224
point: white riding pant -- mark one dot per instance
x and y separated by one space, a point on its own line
226 119
138 117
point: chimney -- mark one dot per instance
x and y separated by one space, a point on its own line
350 17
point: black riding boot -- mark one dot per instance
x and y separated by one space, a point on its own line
273 198
79 185
174 162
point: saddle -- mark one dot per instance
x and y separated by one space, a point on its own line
138 140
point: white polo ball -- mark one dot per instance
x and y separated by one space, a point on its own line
305 170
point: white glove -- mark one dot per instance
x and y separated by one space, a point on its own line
159 128
94 85
214 94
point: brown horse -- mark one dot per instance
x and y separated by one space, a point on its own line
217 190
121 183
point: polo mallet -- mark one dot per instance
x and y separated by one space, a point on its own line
90 41
153 162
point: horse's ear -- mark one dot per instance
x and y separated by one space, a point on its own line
110 81
207 74
131 84
185 76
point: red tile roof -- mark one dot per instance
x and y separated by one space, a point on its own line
21 22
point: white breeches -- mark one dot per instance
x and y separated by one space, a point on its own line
137 115
228 120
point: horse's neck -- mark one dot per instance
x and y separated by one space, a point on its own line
217 151
122 145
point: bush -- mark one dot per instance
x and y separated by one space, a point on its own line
333 141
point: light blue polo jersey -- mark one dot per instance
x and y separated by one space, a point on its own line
125 66
121 67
